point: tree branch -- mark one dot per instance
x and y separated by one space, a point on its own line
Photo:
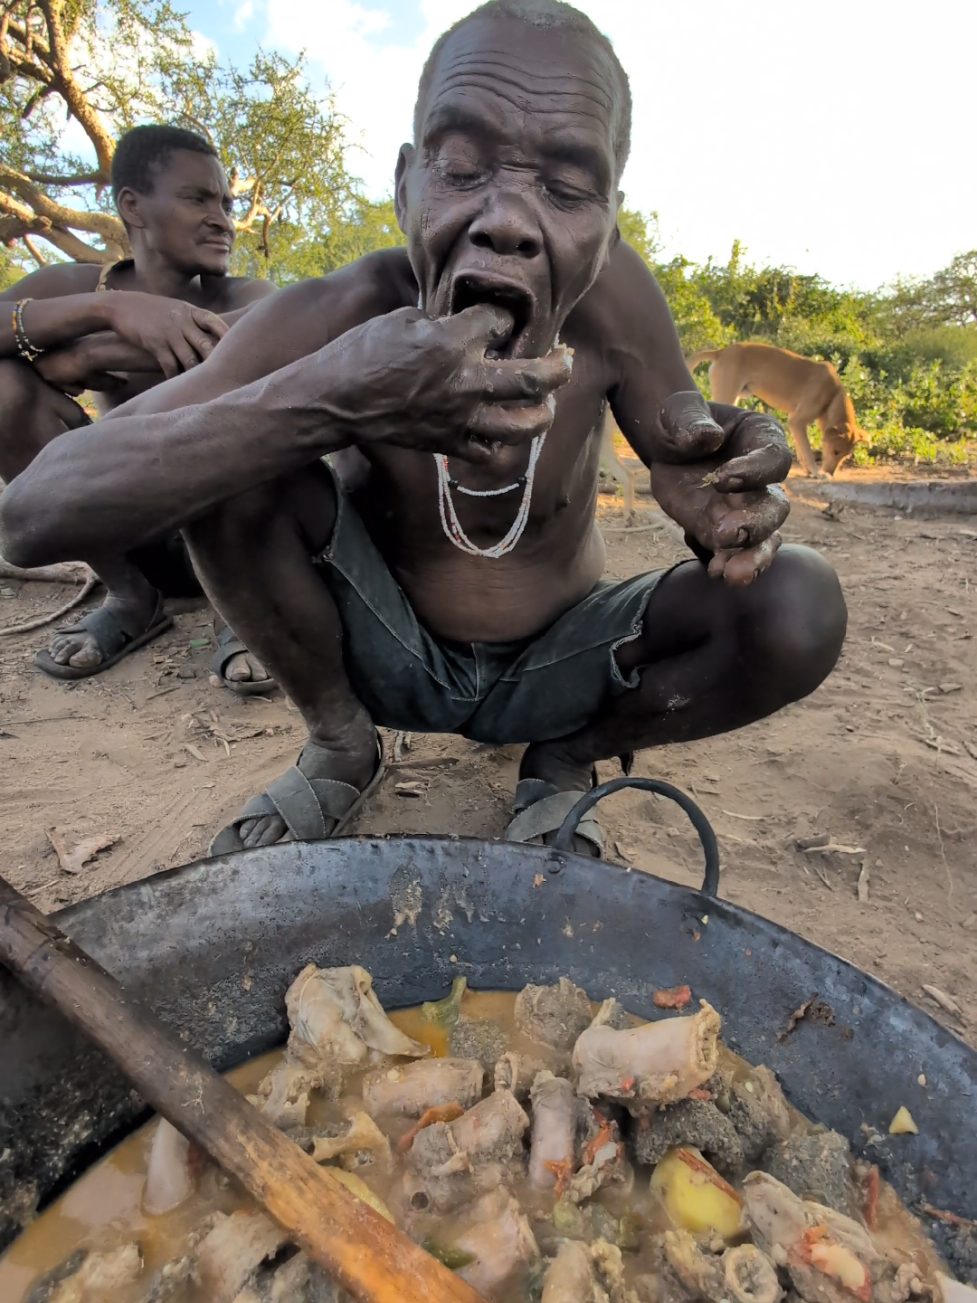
83 178
103 224
15 227
88 117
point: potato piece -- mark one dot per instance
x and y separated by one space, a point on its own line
695 1196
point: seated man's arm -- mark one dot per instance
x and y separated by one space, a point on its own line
295 379
715 469
92 361
65 307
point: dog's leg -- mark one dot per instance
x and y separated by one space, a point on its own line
802 445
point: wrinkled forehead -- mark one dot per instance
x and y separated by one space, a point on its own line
524 84
187 167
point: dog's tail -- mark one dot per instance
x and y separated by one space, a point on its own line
703 355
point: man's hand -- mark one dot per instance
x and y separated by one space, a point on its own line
89 362
428 385
176 334
728 499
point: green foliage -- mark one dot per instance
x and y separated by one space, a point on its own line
11 268
907 354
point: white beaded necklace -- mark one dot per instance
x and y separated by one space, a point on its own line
449 517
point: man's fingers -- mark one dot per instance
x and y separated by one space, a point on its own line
202 344
739 568
493 422
483 323
747 523
688 431
525 378
168 363
210 322
765 458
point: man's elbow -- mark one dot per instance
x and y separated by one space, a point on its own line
25 538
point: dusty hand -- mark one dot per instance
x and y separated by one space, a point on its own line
424 384
88 363
178 335
729 501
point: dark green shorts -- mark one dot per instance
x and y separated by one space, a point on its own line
532 690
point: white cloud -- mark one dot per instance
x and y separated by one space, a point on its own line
829 136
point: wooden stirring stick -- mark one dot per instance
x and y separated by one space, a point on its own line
361 1250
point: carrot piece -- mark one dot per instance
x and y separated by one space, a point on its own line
440 1113
674 997
563 1172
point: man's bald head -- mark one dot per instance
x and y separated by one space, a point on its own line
541 14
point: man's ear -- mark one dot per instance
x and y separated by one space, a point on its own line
128 207
404 160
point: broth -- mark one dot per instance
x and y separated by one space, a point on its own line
104 1207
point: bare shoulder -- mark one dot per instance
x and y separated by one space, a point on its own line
55 282
625 317
625 304
303 318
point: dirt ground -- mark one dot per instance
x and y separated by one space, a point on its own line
883 758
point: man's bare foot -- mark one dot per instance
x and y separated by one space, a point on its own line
80 648
350 757
237 666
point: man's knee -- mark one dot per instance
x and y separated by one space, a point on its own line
305 502
19 387
798 620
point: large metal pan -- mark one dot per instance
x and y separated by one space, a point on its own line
212 947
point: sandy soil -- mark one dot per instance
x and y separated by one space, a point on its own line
883 758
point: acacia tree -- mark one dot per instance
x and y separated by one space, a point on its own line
74 74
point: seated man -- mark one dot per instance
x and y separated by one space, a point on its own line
178 301
456 586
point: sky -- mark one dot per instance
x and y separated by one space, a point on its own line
833 136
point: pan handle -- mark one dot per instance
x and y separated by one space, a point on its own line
707 837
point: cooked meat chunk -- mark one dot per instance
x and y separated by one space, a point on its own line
517 1071
86 1277
410 1090
689 1122
756 1107
654 1064
233 1251
483 1039
502 1244
554 1108
817 1167
555 1015
452 1162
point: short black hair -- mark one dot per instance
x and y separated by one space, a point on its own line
538 13
145 150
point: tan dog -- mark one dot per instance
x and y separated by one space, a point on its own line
807 390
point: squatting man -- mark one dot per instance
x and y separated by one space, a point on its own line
117 331
443 572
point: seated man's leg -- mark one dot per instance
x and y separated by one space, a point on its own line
254 557
32 413
711 658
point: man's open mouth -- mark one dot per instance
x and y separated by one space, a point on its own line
470 290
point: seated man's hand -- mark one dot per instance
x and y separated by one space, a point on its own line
89 362
729 500
434 385
177 335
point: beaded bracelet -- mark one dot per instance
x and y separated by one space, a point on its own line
24 346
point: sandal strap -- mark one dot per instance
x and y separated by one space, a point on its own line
304 803
105 628
228 645
546 813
